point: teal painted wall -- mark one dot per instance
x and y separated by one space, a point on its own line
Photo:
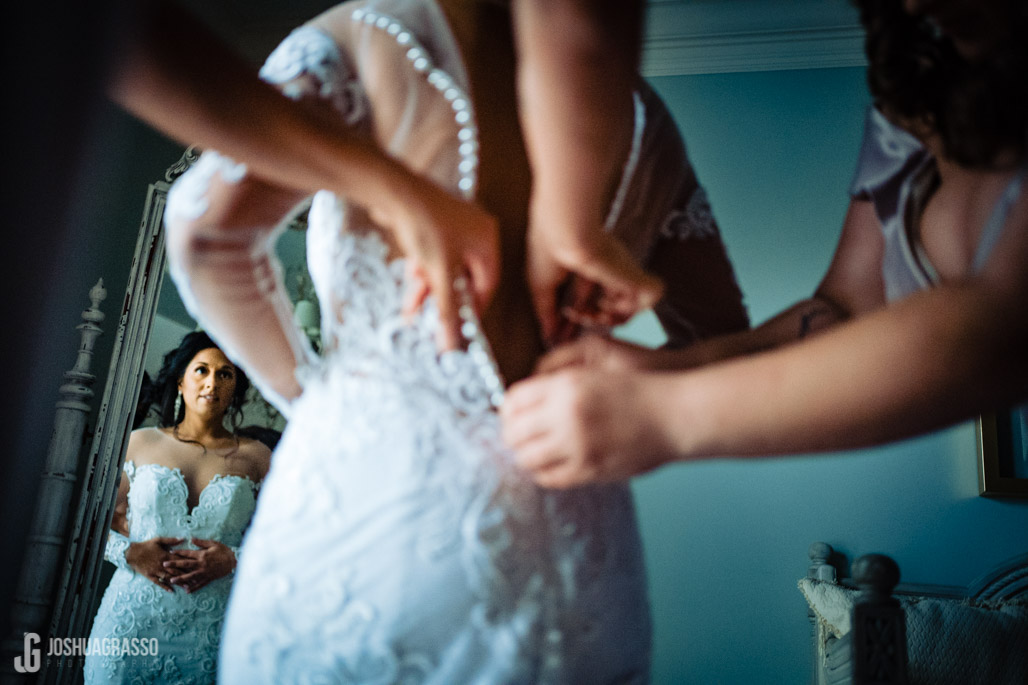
726 541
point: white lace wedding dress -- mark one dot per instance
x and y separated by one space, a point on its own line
396 541
186 626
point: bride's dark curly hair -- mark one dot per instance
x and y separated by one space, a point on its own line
162 392
978 108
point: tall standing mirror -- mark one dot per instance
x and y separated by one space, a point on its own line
152 322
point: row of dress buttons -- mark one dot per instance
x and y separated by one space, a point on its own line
442 82
478 347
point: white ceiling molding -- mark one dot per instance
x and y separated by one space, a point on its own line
682 36
721 36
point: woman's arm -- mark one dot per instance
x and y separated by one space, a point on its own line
144 557
851 286
917 365
938 357
577 66
210 97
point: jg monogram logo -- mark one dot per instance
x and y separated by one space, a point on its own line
29 662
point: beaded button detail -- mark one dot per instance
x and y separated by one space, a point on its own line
467 169
421 61
478 346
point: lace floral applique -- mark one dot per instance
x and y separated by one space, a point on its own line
307 51
187 199
187 625
695 222
114 551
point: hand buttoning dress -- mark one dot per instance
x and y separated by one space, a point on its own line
396 542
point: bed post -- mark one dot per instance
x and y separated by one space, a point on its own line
879 636
819 569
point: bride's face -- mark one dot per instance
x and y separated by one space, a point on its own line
208 384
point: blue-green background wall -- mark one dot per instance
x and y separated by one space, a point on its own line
727 541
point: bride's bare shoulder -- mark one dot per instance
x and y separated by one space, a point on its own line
257 456
148 446
145 437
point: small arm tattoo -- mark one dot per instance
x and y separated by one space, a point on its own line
807 321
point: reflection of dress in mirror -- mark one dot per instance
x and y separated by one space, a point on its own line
395 540
187 494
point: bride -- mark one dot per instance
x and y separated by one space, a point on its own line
187 495
396 540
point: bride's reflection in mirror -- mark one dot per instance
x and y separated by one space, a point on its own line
200 447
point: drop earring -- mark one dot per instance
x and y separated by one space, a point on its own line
178 406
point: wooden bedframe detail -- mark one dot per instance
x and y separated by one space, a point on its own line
874 652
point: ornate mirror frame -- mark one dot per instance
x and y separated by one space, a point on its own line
78 580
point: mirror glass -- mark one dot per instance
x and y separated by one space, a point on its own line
147 501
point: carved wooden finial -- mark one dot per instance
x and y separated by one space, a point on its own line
879 634
820 568
97 294
876 575
178 168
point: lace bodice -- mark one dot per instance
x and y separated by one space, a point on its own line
158 505
363 327
185 626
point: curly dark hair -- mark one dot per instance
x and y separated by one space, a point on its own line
917 77
162 392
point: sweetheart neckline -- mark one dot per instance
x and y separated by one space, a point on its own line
218 477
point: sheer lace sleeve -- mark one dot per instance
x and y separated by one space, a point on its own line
228 275
308 63
114 550
221 231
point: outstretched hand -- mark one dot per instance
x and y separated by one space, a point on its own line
147 558
195 568
585 424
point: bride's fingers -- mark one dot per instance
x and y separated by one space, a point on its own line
169 542
199 583
162 581
192 581
187 553
188 578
